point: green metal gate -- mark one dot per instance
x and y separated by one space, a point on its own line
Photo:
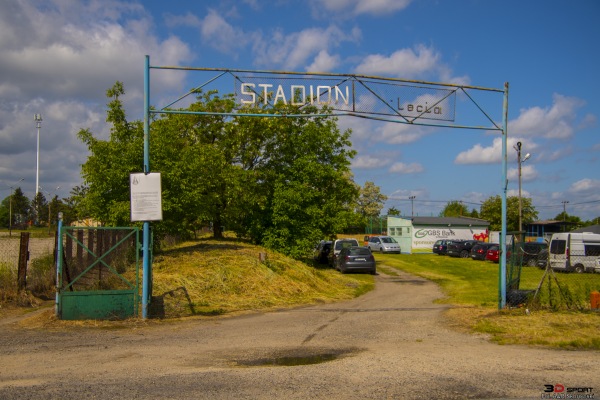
98 273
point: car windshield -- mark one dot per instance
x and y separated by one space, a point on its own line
346 243
359 251
388 240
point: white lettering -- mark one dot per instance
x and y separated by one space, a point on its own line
280 95
265 93
298 95
252 93
249 92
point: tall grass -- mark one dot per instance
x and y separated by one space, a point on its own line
209 277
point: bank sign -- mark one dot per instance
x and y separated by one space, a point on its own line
425 237
348 94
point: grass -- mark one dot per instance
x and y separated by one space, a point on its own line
208 277
472 287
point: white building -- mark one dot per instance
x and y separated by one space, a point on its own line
418 234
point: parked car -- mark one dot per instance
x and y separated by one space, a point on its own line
439 247
321 251
384 244
528 252
542 259
460 248
356 258
337 246
479 251
493 254
574 251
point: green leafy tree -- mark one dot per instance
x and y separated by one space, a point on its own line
491 210
371 200
455 209
393 212
574 220
283 182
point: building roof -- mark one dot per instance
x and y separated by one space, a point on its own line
591 228
450 221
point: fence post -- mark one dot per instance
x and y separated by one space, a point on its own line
23 258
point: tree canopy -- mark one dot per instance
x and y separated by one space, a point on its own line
491 210
282 182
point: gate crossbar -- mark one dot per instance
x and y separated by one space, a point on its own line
101 260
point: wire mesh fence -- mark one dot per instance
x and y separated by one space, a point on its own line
552 277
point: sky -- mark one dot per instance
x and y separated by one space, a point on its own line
58 58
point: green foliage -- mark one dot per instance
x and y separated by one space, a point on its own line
491 210
393 211
284 182
370 201
455 209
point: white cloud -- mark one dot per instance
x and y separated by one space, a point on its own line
402 168
404 63
528 173
369 162
294 50
324 62
357 7
555 122
586 186
479 154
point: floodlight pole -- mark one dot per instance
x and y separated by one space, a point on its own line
502 263
38 123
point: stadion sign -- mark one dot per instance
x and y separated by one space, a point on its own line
350 95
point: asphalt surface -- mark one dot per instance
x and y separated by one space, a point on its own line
392 343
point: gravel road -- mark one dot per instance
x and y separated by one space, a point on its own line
392 343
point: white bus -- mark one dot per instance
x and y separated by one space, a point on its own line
578 252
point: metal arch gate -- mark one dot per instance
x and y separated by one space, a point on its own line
97 272
388 99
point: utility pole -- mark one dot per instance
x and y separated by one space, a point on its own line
412 208
520 161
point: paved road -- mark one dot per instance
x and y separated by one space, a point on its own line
389 344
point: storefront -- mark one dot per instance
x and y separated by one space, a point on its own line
418 234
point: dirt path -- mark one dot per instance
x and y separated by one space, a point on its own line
392 343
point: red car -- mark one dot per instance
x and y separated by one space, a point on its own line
493 254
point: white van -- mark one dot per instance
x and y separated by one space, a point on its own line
577 252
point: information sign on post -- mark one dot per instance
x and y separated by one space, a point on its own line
146 199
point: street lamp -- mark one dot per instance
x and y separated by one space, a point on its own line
412 209
49 194
10 207
520 161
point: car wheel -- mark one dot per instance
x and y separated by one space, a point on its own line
381 250
579 269
464 254
531 262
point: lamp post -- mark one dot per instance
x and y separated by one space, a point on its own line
520 161
412 209
49 194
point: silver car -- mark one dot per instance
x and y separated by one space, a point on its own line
384 244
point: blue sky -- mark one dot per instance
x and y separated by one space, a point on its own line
58 57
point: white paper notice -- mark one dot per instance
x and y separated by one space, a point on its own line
146 199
